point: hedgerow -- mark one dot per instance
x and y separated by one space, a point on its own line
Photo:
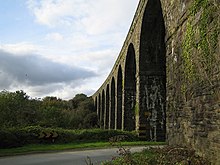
16 137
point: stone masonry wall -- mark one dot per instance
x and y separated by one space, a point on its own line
193 75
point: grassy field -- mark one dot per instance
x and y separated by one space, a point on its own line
38 148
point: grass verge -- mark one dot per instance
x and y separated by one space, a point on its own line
159 156
38 148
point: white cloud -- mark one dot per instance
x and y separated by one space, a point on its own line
90 16
96 26
55 12
108 16
21 48
74 36
54 37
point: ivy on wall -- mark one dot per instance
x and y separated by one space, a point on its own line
200 43
189 70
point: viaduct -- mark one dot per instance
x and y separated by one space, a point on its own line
133 96
165 83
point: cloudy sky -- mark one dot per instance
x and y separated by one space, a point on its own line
60 47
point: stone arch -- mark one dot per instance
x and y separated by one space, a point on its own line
152 66
103 110
112 113
119 99
107 107
130 89
152 45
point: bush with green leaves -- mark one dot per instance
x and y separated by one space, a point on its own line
15 137
17 109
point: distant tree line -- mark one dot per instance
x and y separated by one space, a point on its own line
17 109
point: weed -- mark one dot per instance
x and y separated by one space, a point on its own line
88 161
122 151
161 156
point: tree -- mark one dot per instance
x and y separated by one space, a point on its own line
15 109
74 103
18 109
90 120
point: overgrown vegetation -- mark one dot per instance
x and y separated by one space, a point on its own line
163 155
17 109
160 156
24 120
200 44
17 137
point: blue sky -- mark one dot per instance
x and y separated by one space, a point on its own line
60 47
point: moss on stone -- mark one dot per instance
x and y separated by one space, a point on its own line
197 4
187 46
123 83
199 53
136 108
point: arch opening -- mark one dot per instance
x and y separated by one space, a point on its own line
107 108
152 73
130 89
112 109
103 110
119 98
96 106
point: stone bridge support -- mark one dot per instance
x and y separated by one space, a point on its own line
133 95
170 56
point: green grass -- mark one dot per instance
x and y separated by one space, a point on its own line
146 157
36 148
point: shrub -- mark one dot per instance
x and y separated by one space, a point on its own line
15 137
8 139
158 156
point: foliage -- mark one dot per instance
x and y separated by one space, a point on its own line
77 100
177 155
90 120
16 109
122 151
165 155
8 139
200 48
19 110
161 156
189 69
15 137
